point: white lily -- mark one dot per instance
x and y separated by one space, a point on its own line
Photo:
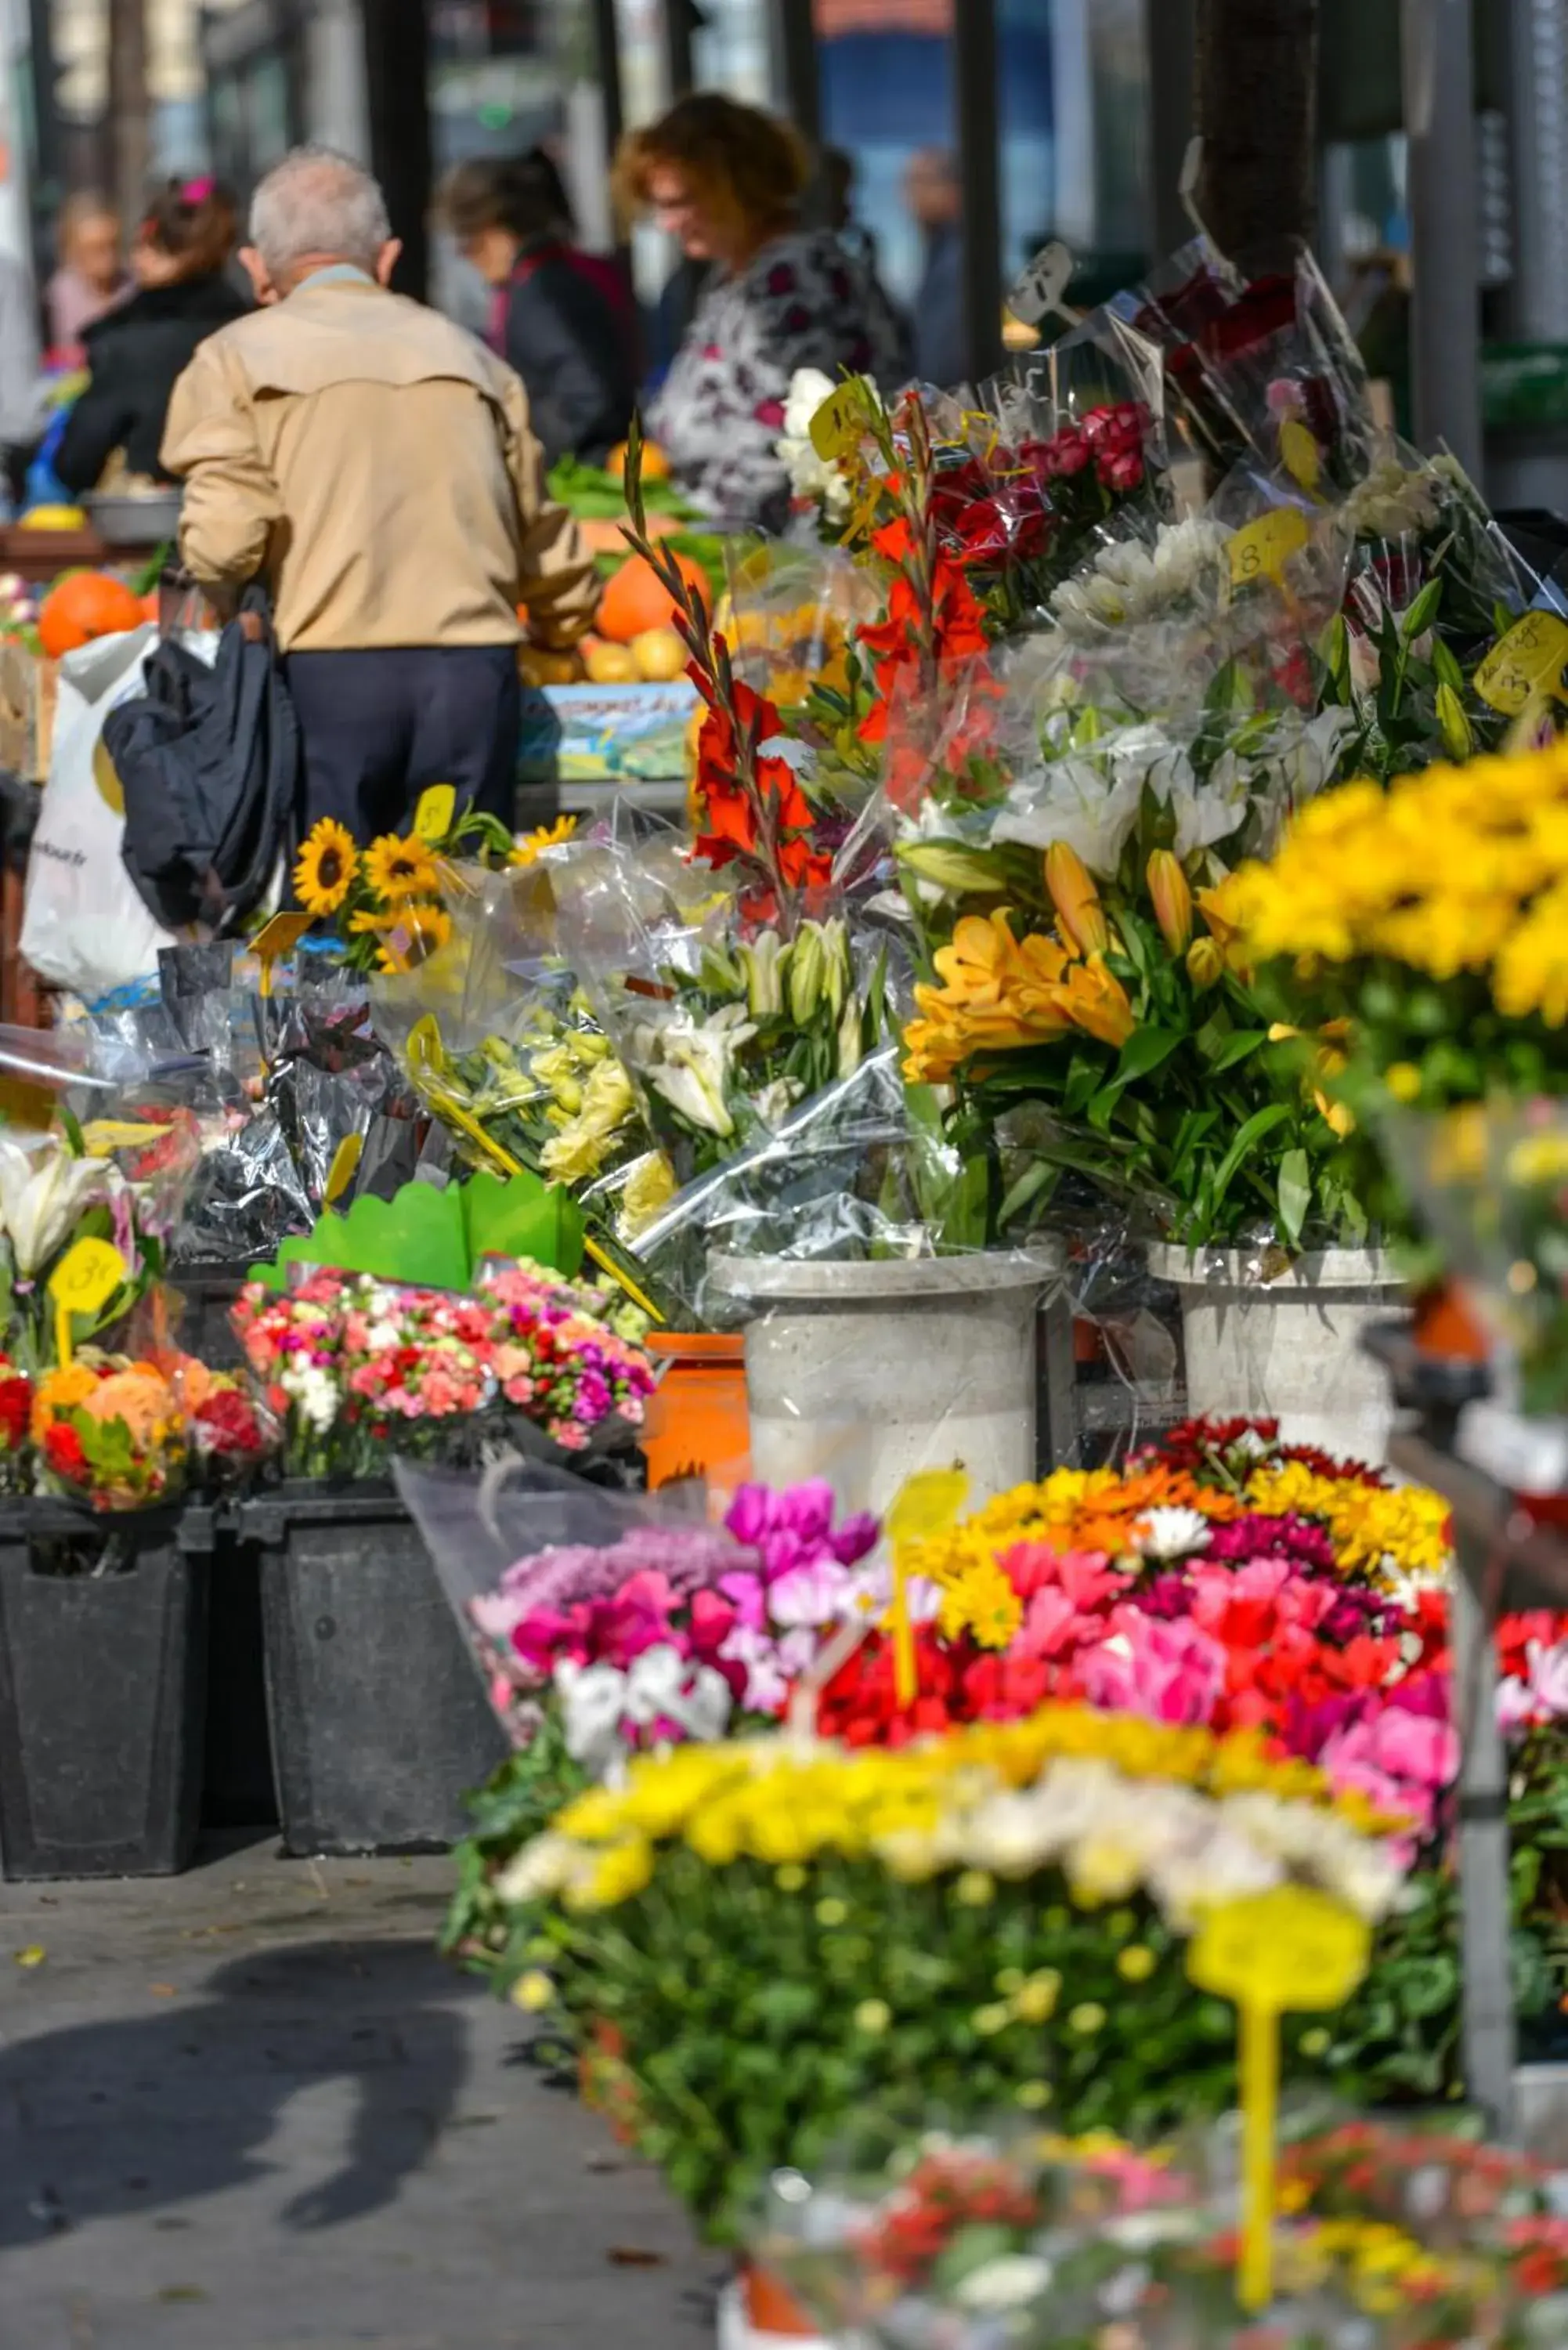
593 1697
43 1190
1073 800
697 1062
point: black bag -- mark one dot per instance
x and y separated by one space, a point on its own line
208 760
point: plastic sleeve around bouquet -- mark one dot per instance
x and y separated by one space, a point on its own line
519 1540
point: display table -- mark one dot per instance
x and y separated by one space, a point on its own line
1506 1559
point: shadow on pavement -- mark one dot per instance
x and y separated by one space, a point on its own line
145 2113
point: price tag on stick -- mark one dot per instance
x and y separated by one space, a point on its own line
1040 286
434 814
1289 1951
1527 662
1261 549
83 1282
927 1506
842 418
279 937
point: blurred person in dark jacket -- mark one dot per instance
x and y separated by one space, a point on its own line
935 199
555 321
137 353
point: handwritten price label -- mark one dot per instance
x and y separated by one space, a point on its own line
1261 549
842 418
437 807
1527 664
344 1168
927 1504
83 1282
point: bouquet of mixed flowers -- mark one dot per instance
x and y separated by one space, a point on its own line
355 1368
109 1432
53 1194
868 1919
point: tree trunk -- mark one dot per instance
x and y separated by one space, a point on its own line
130 142
1257 107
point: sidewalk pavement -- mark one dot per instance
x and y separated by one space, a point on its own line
250 2109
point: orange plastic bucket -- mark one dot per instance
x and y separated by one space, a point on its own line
697 1421
770 2310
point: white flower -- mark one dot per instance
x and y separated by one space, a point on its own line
808 388
1073 800
541 1868
774 1103
43 1189
592 1701
1172 1533
315 1390
811 476
690 1064
1214 811
1005 2282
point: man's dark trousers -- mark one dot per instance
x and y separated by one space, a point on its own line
378 727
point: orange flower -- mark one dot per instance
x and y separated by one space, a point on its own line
1173 896
60 1391
1095 1000
1076 900
998 994
138 1396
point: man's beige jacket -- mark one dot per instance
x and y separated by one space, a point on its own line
373 463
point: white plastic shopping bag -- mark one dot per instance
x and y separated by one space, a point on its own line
83 925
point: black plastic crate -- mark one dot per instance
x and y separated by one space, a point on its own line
102 1690
380 1721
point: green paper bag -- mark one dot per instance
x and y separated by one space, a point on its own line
418 1236
522 1216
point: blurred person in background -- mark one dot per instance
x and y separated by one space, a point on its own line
935 199
137 353
92 277
373 465
838 173
24 395
727 181
555 319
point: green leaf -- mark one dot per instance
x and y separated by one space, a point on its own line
1295 1194
1239 1046
1422 612
1261 1123
1143 1053
1025 1191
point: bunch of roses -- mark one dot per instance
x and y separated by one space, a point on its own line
16 1415
109 1430
228 1433
659 1636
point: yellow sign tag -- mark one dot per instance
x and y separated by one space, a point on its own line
277 938
344 1168
102 1135
1528 663
83 1282
1303 457
841 419
434 814
927 1506
1291 1949
1261 549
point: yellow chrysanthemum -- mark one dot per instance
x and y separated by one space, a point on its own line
983 1602
399 868
528 850
325 869
1374 1531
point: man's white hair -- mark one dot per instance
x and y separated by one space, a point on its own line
317 202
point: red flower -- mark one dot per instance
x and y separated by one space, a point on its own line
63 1451
16 1410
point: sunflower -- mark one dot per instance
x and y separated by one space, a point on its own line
398 869
528 850
324 872
420 931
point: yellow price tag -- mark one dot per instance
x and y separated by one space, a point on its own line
927 1506
83 1282
434 814
1527 662
344 1168
842 418
102 1135
1288 1950
1303 457
1261 549
277 938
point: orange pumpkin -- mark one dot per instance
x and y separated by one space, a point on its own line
636 599
82 606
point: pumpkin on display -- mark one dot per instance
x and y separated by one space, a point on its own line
636 599
82 606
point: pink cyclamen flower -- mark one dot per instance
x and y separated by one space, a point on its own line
1165 1671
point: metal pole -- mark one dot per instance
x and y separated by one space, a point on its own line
606 41
792 37
979 147
1484 1906
680 19
1440 125
396 77
1538 77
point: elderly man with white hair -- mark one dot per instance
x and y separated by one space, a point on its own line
373 463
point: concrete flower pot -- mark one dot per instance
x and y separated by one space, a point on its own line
866 1372
1288 1350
